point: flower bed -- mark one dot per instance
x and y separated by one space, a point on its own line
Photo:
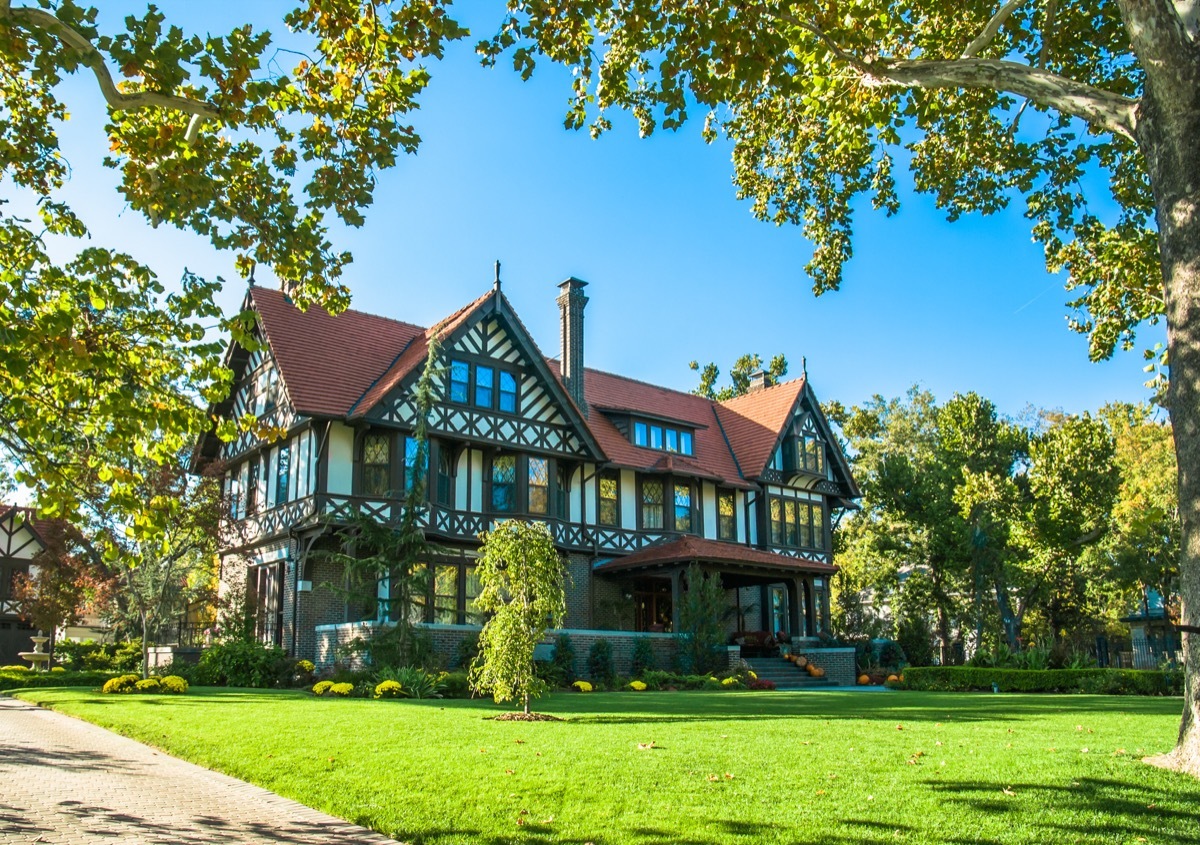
1095 681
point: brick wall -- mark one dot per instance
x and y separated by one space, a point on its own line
329 638
579 600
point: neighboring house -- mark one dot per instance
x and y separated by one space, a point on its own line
20 541
636 481
1154 640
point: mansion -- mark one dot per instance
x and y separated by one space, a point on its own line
636 482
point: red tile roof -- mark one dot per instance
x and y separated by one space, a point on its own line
753 423
326 361
688 548
344 365
712 458
413 356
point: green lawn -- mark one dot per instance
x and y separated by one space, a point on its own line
726 767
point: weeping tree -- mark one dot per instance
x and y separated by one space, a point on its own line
522 591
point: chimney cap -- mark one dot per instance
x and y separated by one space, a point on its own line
572 282
759 379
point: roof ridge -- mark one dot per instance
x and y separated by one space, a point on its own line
357 311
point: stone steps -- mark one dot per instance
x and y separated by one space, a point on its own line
785 675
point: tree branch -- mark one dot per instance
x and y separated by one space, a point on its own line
94 60
993 27
1101 108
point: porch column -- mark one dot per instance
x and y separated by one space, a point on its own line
794 592
810 618
676 598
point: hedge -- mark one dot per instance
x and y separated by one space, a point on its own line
1093 681
19 680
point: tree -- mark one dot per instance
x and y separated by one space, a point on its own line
396 556
210 134
1076 107
739 376
521 586
58 584
703 612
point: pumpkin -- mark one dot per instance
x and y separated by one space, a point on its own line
802 661
901 679
863 680
812 670
819 673
892 678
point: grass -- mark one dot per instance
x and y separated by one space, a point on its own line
837 767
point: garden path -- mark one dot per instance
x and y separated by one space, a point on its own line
67 782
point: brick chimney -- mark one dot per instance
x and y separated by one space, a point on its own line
759 380
570 305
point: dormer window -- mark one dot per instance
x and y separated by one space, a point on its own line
801 453
665 438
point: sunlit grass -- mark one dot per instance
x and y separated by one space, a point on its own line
725 767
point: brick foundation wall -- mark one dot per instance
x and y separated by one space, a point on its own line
578 591
838 663
330 638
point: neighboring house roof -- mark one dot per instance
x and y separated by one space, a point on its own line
688 548
41 529
754 422
327 361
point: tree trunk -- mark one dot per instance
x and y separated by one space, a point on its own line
1169 137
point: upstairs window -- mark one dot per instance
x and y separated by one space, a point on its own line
504 483
252 486
563 489
376 465
283 466
726 515
413 472
665 438
460 380
508 392
796 524
812 454
683 508
609 512
445 477
652 504
539 485
484 383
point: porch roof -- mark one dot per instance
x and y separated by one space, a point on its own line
690 549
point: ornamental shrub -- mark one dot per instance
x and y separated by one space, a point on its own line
344 690
240 663
14 668
637 686
120 684
414 681
643 657
1093 681
148 685
562 666
305 666
456 685
389 689
57 669
174 685
582 686
321 687
10 680
599 662
761 684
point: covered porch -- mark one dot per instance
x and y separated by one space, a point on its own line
767 591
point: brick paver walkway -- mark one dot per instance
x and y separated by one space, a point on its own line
67 782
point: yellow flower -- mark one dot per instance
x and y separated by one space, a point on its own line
582 686
728 682
753 677
637 685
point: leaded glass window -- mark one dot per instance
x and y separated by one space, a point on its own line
508 392
484 385
460 381
652 504
283 465
776 521
445 594
376 465
683 508
504 483
610 485
726 515
539 485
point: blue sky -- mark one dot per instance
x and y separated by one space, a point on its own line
678 268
